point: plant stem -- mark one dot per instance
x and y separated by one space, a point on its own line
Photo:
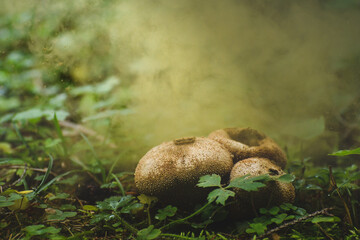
186 218
324 232
334 185
148 213
127 225
119 184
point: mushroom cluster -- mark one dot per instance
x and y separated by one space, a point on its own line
247 142
171 170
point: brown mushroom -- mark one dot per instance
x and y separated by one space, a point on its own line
171 170
247 142
274 193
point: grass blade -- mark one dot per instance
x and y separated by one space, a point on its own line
47 173
48 184
60 134
119 184
103 174
36 161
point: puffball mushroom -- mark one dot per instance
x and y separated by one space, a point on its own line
247 142
274 193
171 170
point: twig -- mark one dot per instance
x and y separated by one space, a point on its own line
33 169
21 177
94 178
320 212
81 129
323 231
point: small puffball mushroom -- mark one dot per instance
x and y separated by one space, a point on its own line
171 170
247 142
274 193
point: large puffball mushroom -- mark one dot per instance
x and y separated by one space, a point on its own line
274 193
171 170
247 142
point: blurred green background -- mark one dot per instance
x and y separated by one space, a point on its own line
132 74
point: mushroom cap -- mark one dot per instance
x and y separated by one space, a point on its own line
171 170
274 193
247 142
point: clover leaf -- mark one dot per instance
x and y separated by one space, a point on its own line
148 233
168 211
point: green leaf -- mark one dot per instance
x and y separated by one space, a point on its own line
168 211
101 216
90 208
4 202
274 210
300 211
60 215
107 86
319 219
34 230
144 199
220 195
249 183
14 196
59 196
36 113
68 207
213 180
133 207
312 187
33 113
286 178
5 148
109 185
346 152
12 161
61 115
279 218
7 104
263 210
257 228
115 202
287 206
52 142
148 233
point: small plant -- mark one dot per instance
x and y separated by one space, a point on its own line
247 183
42 231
